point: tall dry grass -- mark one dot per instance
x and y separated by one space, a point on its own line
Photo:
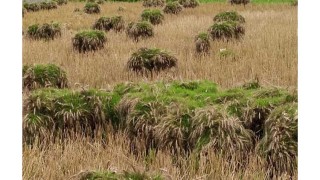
268 50
68 160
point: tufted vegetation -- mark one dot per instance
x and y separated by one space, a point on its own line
89 40
43 75
45 31
115 23
154 16
138 30
172 8
91 8
226 30
180 116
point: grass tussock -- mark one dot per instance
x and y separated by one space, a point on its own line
45 31
180 117
92 8
139 30
226 30
154 16
115 23
47 5
229 16
40 76
153 3
89 40
238 2
61 2
202 41
172 8
189 3
146 61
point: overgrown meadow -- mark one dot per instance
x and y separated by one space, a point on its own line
159 89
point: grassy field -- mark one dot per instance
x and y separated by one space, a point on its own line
157 128
268 50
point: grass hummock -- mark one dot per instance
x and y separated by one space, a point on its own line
154 16
91 8
138 30
226 30
172 8
89 40
202 41
229 16
190 116
115 23
153 3
189 3
43 75
146 61
45 31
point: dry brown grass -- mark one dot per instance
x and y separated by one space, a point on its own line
268 50
67 160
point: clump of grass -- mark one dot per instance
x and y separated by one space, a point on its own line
229 16
202 43
151 60
107 23
237 2
61 2
110 175
89 40
32 6
153 3
39 76
47 5
63 112
45 31
139 30
214 129
91 8
172 8
280 142
226 30
189 3
153 16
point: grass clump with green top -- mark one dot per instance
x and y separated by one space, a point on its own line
238 2
226 30
40 76
183 117
153 3
61 2
32 7
92 8
107 23
229 16
202 41
47 5
89 40
154 16
189 3
172 8
45 31
110 175
146 61
142 29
